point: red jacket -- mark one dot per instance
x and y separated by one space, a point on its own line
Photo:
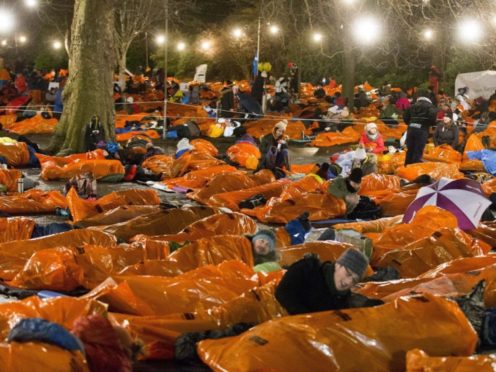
376 146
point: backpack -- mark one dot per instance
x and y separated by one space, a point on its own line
189 130
84 184
94 133
365 210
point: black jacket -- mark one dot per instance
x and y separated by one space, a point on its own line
444 135
308 286
423 112
227 99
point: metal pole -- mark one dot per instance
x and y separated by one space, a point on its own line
166 56
258 38
146 51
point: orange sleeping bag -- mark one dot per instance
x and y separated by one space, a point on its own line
329 139
435 170
17 153
15 229
418 361
9 177
99 168
32 202
35 125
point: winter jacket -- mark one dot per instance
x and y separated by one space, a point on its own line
268 141
227 99
377 145
389 112
338 188
446 135
402 104
421 115
308 286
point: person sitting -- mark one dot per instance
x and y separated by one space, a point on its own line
389 112
310 285
372 140
347 188
446 132
274 150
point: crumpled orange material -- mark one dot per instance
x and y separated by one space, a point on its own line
37 356
99 168
433 169
118 214
377 338
442 153
74 158
230 181
231 199
396 203
486 232
259 128
158 333
150 133
17 228
391 132
387 164
239 153
418 361
7 120
489 187
169 221
379 185
373 226
35 125
197 179
192 160
9 177
204 146
158 164
195 290
328 139
17 154
424 254
201 252
216 224
33 201
15 254
82 209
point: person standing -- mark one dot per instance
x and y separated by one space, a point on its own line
419 118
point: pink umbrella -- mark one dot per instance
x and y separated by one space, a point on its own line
464 198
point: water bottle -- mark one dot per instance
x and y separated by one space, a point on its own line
20 185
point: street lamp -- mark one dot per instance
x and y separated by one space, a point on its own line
470 31
160 39
274 30
31 3
22 39
237 33
4 42
366 30
7 21
317 37
428 34
56 45
205 45
181 46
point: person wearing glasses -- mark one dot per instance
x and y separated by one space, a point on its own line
310 285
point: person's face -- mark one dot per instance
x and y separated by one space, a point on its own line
279 132
344 278
261 246
447 121
372 131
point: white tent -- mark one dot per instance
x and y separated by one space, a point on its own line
479 83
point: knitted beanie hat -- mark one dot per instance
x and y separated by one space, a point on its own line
354 260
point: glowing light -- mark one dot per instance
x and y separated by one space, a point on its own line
23 39
160 39
57 45
317 37
7 21
366 30
4 43
181 46
31 3
237 33
428 34
274 30
349 2
470 31
205 45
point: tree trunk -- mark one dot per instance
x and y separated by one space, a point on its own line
89 89
349 64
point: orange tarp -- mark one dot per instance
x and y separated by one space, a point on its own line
9 177
244 154
379 185
158 164
371 339
419 361
192 160
443 153
35 125
99 168
196 179
195 290
387 164
328 139
32 202
259 128
435 170
82 209
61 161
153 134
17 154
204 146
15 229
119 214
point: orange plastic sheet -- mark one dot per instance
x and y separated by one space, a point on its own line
195 290
304 168
119 214
435 170
99 168
418 361
66 269
231 199
32 202
424 254
391 132
35 125
193 160
7 120
216 224
474 143
489 187
150 133
328 139
245 154
197 179
169 221
374 226
158 164
486 232
206 251
204 146
259 128
31 356
387 164
15 254
17 154
230 181
82 209
378 338
443 153
158 333
15 229
74 158
9 177
379 185
472 165
396 203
